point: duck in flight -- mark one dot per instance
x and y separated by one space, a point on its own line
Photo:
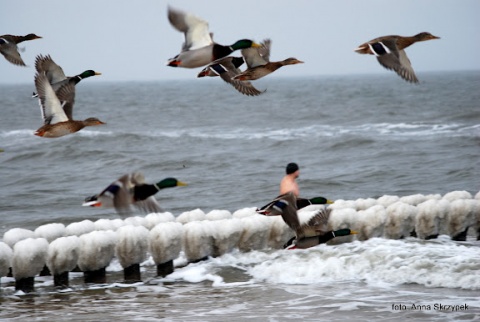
259 64
199 49
56 76
131 190
228 67
9 48
311 229
390 52
56 122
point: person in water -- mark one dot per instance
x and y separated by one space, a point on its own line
289 181
289 184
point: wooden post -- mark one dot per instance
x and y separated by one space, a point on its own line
45 271
98 276
61 280
24 284
461 236
132 273
165 268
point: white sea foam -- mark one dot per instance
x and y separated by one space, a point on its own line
440 263
319 131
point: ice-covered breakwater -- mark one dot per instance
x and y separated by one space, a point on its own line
90 246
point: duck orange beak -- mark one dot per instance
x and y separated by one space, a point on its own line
203 73
174 63
92 204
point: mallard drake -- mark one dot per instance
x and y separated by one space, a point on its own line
57 77
9 48
311 228
131 189
303 202
259 64
199 49
227 68
390 53
300 203
56 122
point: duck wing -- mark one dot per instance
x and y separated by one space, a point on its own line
137 178
10 51
50 105
123 195
257 56
194 28
53 71
390 57
148 205
226 69
285 206
317 222
66 95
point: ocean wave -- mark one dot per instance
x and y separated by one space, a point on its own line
440 263
314 131
330 131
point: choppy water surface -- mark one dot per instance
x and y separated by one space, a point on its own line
354 137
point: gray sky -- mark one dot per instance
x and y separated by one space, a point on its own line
132 40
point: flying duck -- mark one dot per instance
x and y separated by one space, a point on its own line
390 53
199 49
259 64
56 122
57 77
9 48
311 228
131 189
299 203
227 68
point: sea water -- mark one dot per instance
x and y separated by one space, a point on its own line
353 137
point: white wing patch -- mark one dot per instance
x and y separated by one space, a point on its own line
51 106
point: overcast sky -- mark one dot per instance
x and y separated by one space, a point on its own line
132 40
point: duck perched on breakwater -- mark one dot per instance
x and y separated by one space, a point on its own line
311 228
9 48
390 52
131 189
199 48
